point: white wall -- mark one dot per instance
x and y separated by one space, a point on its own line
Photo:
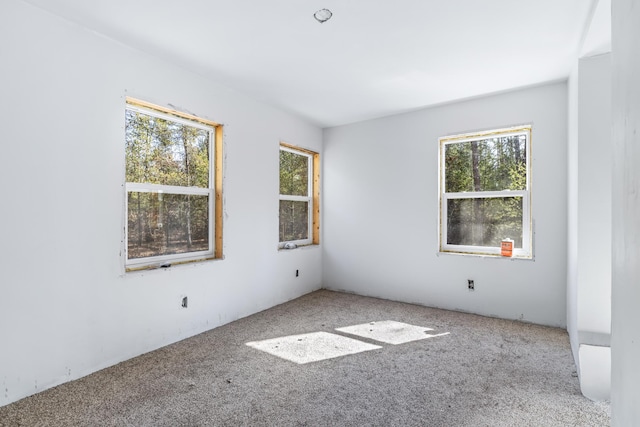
625 330
589 227
381 210
594 195
572 213
66 306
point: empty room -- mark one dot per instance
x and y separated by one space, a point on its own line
306 212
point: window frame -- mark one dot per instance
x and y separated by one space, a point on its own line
312 197
213 191
526 251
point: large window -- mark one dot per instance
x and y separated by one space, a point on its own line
485 192
173 188
299 197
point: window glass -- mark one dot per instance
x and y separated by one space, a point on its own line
294 220
491 164
484 221
294 174
162 151
166 224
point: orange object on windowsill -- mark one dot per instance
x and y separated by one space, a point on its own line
507 247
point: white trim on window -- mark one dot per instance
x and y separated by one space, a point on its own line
168 116
526 250
209 192
307 199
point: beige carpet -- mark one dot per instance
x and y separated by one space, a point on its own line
285 367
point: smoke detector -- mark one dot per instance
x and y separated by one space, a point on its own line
323 15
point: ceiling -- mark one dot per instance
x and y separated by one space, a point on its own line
372 58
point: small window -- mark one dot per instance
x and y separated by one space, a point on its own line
299 197
173 187
485 192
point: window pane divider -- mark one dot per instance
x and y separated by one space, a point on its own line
486 194
295 198
168 189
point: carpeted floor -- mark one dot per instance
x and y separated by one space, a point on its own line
484 372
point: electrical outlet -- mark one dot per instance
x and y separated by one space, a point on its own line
297 273
471 285
185 302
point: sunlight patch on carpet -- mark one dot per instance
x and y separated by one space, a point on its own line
312 347
390 332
